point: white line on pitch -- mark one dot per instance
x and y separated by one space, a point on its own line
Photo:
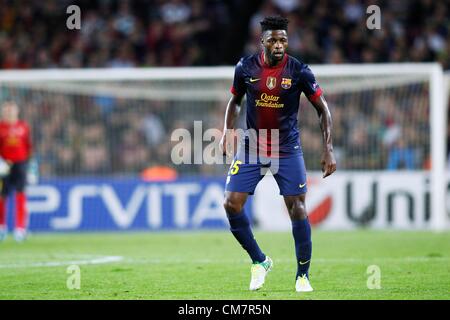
99 260
318 260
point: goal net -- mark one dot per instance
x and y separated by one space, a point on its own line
389 127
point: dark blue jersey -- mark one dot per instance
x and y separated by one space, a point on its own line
273 97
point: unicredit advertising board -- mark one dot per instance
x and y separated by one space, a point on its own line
345 200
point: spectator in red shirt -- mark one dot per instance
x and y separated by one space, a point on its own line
15 150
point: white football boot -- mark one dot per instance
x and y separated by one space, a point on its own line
302 284
20 234
3 233
259 273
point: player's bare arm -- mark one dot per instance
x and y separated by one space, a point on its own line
328 161
231 114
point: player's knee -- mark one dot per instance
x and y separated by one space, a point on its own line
232 206
297 210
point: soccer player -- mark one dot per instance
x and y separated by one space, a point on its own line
15 149
273 82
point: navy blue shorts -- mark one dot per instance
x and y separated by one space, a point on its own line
289 172
16 179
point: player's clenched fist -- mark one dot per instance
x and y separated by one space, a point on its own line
328 163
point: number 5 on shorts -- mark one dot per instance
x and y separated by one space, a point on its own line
235 167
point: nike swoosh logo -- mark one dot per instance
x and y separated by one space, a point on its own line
254 80
302 263
302 185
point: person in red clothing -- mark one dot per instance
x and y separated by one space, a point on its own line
15 150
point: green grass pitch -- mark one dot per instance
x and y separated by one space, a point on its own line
211 265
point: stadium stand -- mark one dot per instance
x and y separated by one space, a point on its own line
185 33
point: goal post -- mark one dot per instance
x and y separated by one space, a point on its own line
438 125
195 93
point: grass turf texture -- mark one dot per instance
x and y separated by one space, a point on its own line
211 265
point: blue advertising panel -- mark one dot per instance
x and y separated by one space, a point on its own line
108 204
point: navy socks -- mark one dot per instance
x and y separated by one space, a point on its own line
240 227
301 230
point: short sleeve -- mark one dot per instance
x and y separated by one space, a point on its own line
309 85
238 88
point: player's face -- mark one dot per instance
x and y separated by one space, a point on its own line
275 43
10 112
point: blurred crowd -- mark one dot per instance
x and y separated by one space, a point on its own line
130 33
96 140
334 31
85 135
33 33
388 129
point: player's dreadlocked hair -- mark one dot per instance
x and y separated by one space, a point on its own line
274 23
